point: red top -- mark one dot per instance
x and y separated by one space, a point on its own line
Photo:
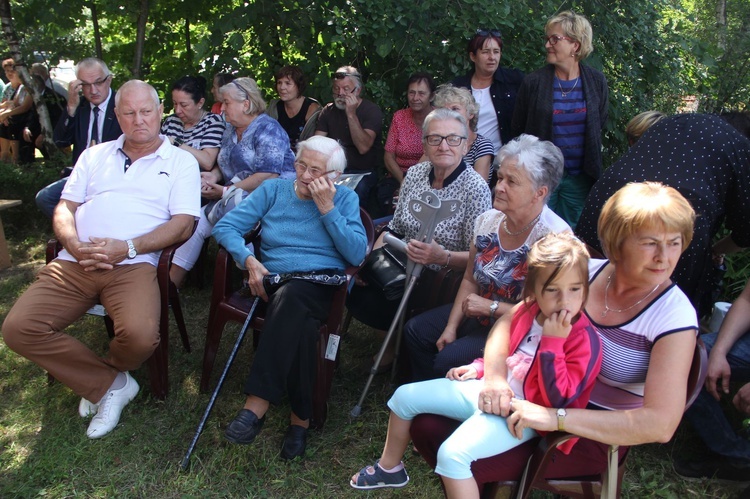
404 139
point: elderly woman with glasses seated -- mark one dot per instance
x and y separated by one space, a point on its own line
454 334
254 148
445 173
309 225
566 102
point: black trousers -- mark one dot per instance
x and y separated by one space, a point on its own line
287 354
422 332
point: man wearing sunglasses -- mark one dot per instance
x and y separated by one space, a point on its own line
356 124
493 87
90 119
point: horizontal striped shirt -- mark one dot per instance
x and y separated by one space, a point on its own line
569 122
626 348
205 134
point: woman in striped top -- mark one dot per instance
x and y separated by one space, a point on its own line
566 102
191 127
648 330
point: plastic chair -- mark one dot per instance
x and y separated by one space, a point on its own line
609 483
158 363
228 304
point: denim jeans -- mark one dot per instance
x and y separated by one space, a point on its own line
706 414
47 198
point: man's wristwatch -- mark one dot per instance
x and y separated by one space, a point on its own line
561 413
131 249
493 309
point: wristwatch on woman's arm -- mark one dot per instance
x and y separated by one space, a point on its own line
493 309
561 413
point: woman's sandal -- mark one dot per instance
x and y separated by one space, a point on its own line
373 477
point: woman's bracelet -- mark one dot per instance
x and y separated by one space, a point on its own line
448 262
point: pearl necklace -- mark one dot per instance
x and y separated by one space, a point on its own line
525 227
565 94
607 309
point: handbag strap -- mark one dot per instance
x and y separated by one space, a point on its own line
329 277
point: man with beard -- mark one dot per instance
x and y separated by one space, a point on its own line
356 124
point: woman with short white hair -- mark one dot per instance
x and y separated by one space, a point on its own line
310 226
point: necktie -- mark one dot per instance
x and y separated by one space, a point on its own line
95 127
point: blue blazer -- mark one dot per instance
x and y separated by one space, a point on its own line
74 130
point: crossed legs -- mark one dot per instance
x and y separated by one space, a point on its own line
60 295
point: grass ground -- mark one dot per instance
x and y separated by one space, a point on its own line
44 451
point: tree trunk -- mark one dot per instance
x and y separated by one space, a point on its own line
188 43
97 33
140 39
721 24
15 52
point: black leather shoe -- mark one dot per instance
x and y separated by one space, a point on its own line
295 442
244 428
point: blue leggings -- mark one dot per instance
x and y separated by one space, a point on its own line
480 435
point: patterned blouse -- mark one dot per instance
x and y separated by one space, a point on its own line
264 148
464 184
500 273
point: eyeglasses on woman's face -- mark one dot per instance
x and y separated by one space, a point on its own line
314 171
452 140
553 39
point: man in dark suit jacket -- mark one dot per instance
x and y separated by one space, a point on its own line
76 127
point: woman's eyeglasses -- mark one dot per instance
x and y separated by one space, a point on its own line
314 171
553 39
451 140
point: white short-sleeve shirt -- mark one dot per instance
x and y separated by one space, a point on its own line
124 204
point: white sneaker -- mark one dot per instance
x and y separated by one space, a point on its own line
86 408
110 408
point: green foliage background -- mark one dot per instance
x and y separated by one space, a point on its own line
654 53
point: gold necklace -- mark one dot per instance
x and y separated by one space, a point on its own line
525 227
607 309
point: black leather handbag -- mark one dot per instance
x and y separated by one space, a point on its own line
385 268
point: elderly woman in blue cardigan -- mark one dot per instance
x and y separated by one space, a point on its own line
309 225
566 102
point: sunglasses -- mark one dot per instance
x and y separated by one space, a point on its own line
340 75
489 32
244 92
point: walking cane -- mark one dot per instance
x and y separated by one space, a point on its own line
430 211
215 394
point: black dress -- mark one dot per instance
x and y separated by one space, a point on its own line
708 161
